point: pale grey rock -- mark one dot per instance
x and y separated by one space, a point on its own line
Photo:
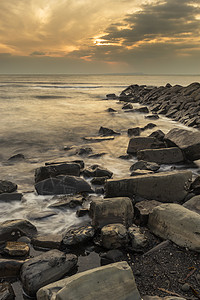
145 165
193 204
114 236
48 241
142 210
162 156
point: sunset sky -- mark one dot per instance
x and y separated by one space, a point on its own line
100 36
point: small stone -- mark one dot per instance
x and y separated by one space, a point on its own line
6 291
185 287
16 249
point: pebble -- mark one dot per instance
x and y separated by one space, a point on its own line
185 287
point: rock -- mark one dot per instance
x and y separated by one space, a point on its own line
111 256
117 277
144 165
97 155
77 236
142 210
141 143
162 298
83 151
11 230
99 190
193 204
138 239
111 110
127 106
176 223
114 236
126 156
107 131
48 241
17 158
16 249
143 109
39 215
68 201
44 269
43 173
11 197
82 212
6 291
98 138
164 187
110 211
97 171
158 134
152 117
99 180
10 267
162 156
139 172
186 140
80 162
195 186
134 131
7 186
62 185
111 96
149 126
185 287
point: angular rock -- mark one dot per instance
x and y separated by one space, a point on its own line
139 172
186 140
138 239
6 291
11 230
44 269
117 277
7 186
162 156
127 106
195 186
110 211
142 210
141 143
10 267
68 201
17 158
158 134
97 171
77 236
164 187
144 165
193 204
143 109
62 185
111 96
76 161
99 180
11 197
98 138
114 236
134 131
43 173
111 256
82 212
111 110
107 131
176 223
39 215
16 249
149 126
97 155
48 241
152 117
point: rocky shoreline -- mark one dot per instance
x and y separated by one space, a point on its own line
144 229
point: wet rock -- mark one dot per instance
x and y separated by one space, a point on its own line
83 151
143 109
97 171
186 140
39 215
127 106
43 173
7 186
107 131
149 126
142 210
134 131
111 256
103 281
109 211
141 143
11 197
114 236
139 172
162 156
11 230
97 155
193 204
195 186
144 165
138 239
16 249
68 201
99 191
80 162
17 158
99 180
152 117
82 212
164 187
77 236
48 241
98 138
62 185
111 110
6 291
126 156
176 223
44 269
111 96
10 267
158 134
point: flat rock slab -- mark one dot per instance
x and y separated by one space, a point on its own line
162 156
11 230
49 241
45 268
164 187
98 138
11 197
16 249
141 143
176 223
114 282
188 141
10 267
193 204
109 211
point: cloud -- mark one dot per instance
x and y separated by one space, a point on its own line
38 53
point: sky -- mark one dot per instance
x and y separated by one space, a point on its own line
100 36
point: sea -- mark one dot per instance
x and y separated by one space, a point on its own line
44 115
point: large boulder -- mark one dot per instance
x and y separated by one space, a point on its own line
114 282
11 230
188 141
176 223
43 173
141 143
109 211
114 236
193 204
162 156
62 185
44 269
164 187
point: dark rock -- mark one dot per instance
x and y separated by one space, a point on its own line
10 267
152 117
141 143
40 215
142 210
77 236
7 186
139 172
111 110
6 291
114 236
143 109
158 134
99 191
50 266
149 126
103 131
68 201
11 197
144 165
83 151
111 256
138 239
43 173
48 241
16 249
162 156
168 85
99 180
97 155
11 230
62 185
185 287
193 204
134 131
195 186
82 212
126 156
127 106
111 96
18 157
97 171
76 161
